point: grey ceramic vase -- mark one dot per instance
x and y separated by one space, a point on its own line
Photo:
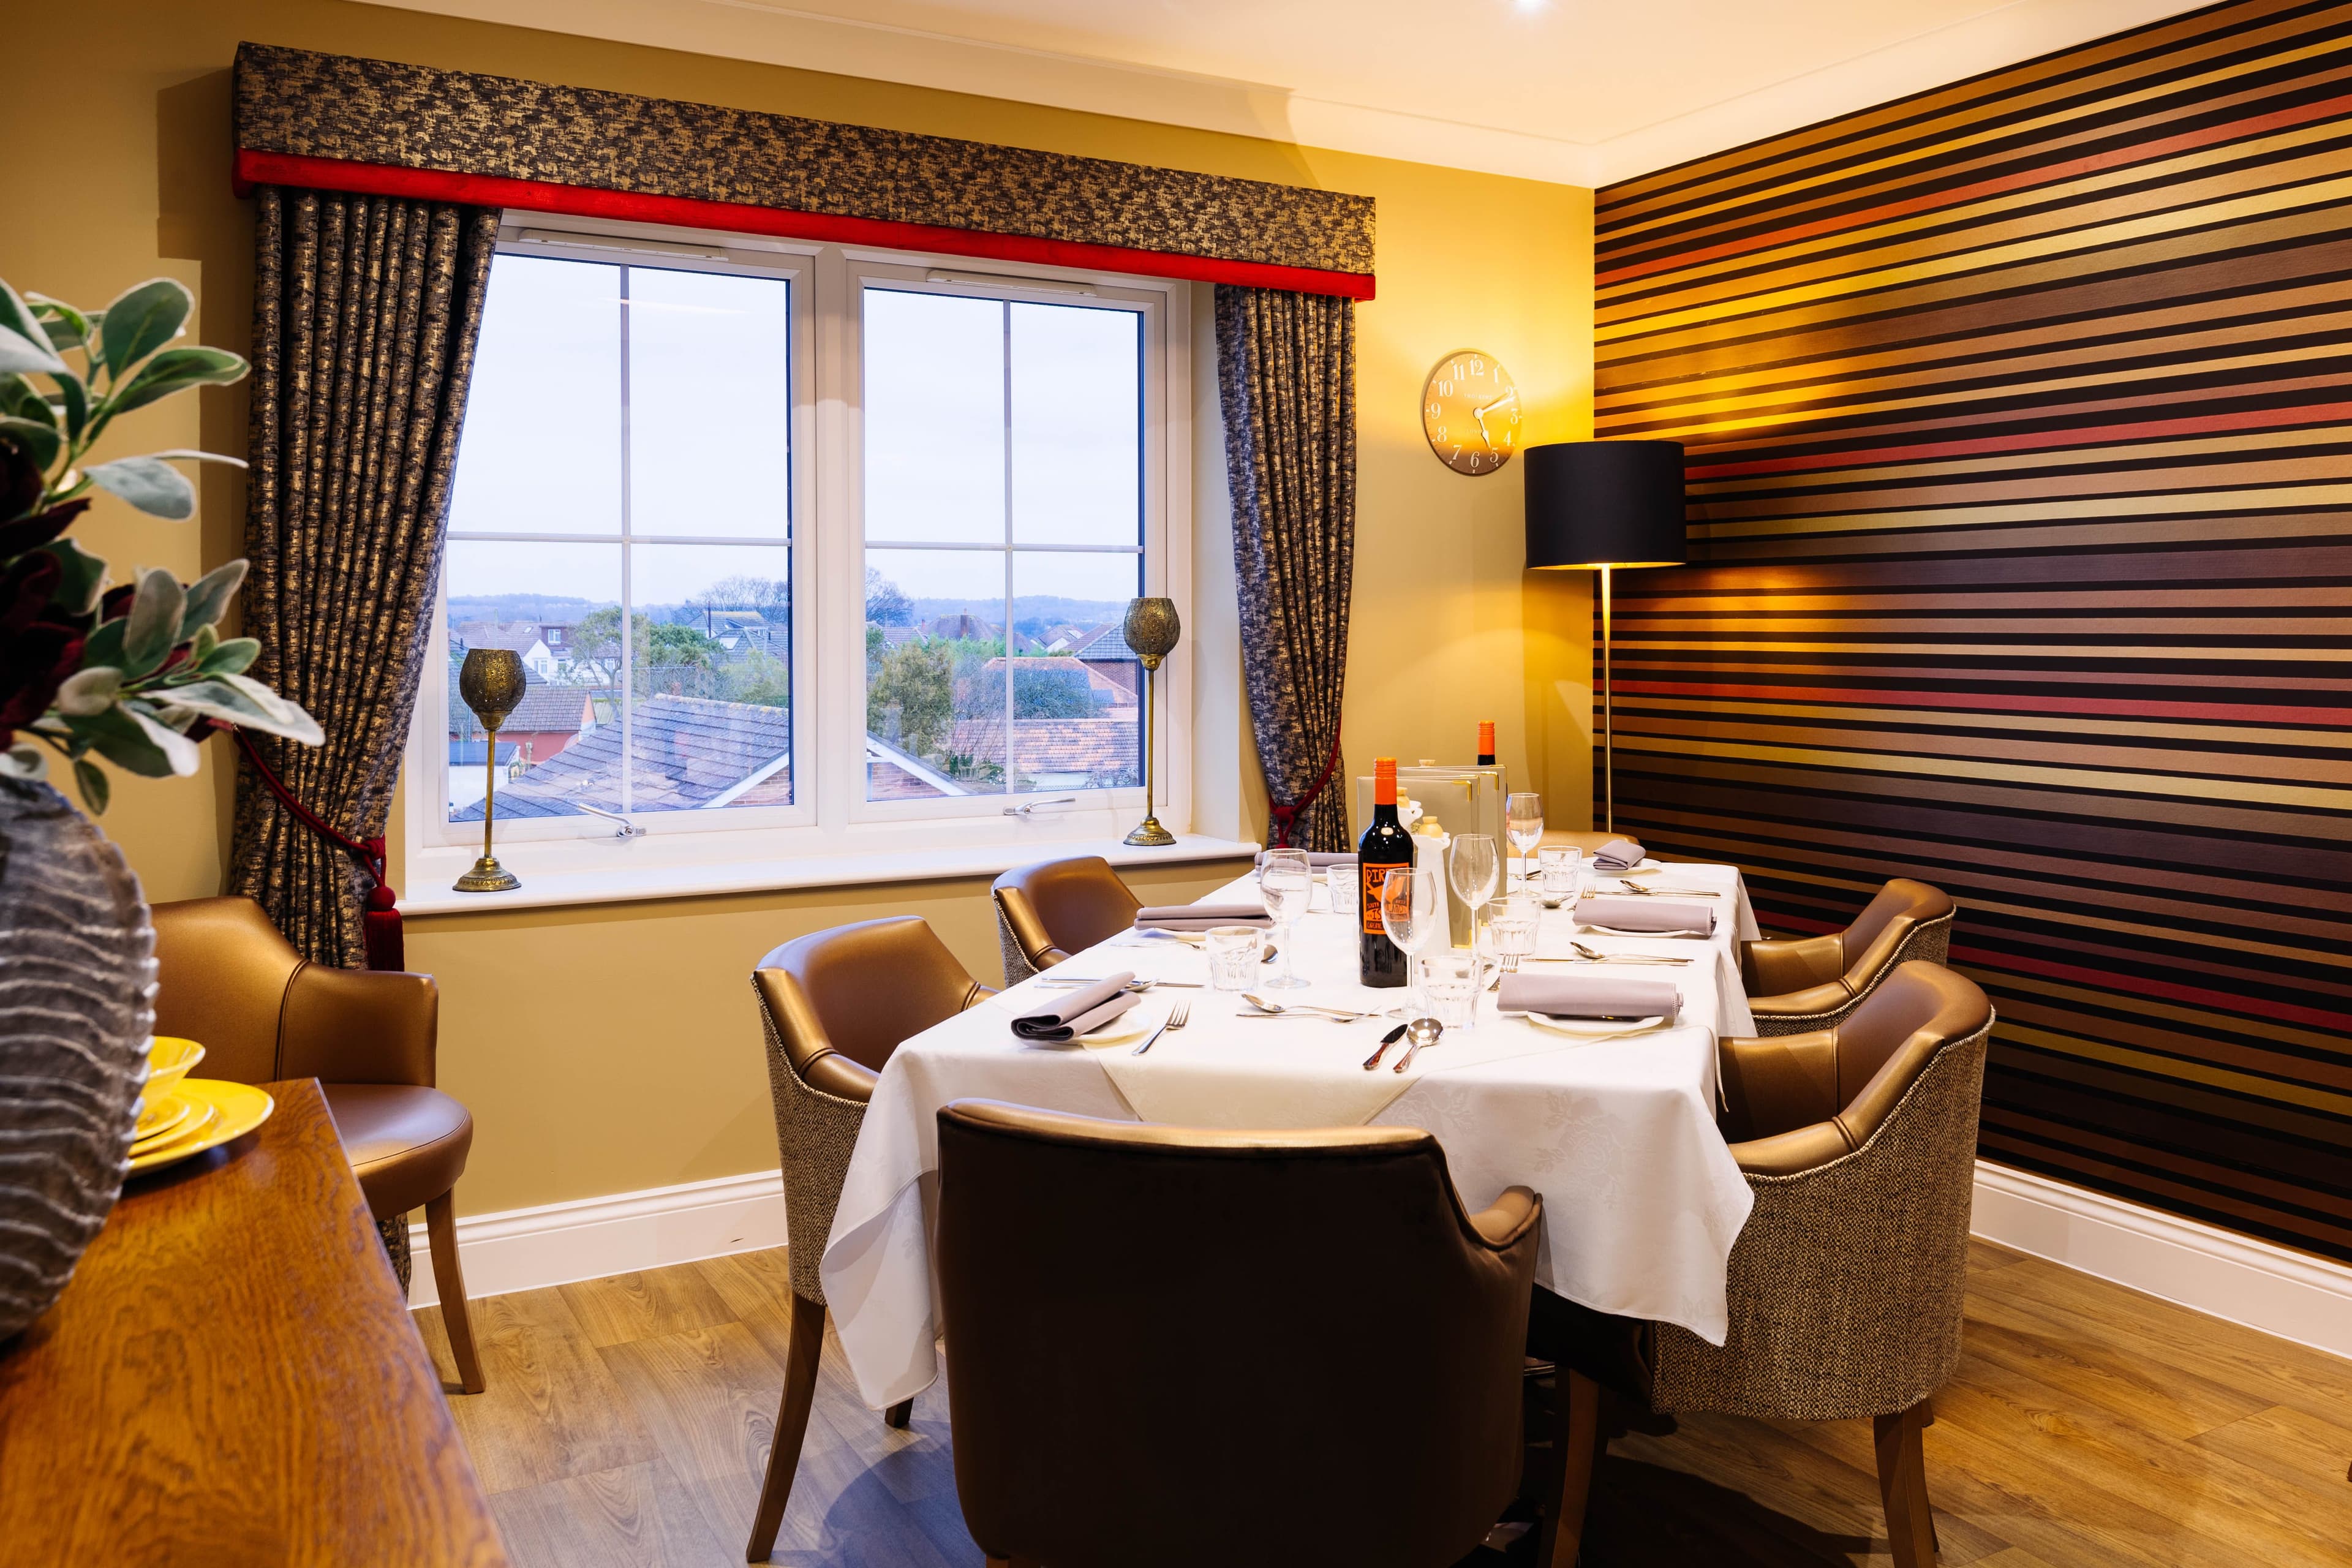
77 1012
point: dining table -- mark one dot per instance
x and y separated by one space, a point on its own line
1617 1131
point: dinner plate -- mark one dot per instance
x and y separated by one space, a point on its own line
1594 1028
231 1110
201 1117
1130 1025
168 1113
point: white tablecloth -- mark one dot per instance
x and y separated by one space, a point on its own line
1642 1199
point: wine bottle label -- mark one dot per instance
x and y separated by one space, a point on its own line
1375 879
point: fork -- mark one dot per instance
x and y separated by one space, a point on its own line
1178 1016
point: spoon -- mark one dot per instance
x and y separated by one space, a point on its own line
1277 1009
1420 1032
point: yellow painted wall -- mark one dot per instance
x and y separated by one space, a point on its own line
613 1048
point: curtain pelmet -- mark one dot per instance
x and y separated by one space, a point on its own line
1286 379
365 315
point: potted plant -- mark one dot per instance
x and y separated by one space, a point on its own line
136 674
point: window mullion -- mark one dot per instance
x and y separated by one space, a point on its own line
1008 676
628 594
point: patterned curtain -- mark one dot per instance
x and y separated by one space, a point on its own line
1287 376
365 314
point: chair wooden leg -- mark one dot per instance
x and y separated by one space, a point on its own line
1903 1486
1577 1438
801 1356
898 1415
441 1232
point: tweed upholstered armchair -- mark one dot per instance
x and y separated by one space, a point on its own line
834 1004
1048 911
1815 982
1846 1284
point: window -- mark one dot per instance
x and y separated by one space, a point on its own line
800 541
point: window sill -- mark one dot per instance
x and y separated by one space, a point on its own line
430 894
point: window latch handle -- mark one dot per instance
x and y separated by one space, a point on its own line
1026 806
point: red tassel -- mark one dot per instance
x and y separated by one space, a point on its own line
382 920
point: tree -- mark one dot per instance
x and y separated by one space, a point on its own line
885 603
918 679
682 655
757 677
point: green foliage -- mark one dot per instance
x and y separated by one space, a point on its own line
140 675
918 679
126 364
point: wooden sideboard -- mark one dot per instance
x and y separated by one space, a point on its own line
232 1378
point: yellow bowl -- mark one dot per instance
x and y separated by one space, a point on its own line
169 1060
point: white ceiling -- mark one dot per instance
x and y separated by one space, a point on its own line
1580 92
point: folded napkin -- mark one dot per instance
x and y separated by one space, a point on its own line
1577 996
1655 914
1080 1012
1317 858
1199 917
1618 854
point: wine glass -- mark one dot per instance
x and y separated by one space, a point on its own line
1411 911
1473 868
1523 820
1288 882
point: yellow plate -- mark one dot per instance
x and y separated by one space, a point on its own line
237 1109
161 1116
170 1059
201 1118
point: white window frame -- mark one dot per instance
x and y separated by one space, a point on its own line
831 829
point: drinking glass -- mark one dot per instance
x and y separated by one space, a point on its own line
1473 868
1413 912
1452 980
1523 821
1563 874
1287 881
1514 929
1233 956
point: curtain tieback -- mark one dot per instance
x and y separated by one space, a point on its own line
384 947
1287 817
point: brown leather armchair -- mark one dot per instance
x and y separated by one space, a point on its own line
1048 911
1846 1283
1794 986
834 1004
1174 1347
227 980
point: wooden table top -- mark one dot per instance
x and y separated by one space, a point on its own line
232 1377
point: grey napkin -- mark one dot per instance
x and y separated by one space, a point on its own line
1578 996
1199 917
1619 855
1080 1012
1316 858
1648 914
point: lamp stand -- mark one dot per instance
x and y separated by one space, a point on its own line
487 876
1150 833
1608 716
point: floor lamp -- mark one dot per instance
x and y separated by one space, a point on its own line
1597 506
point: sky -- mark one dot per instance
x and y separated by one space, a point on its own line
708 422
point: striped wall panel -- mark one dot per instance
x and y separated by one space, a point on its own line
2019 429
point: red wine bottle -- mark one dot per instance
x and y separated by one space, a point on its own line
1384 847
1486 743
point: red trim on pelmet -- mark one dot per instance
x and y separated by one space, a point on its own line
255 168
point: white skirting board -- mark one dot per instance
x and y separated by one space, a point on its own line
524 1249
2218 1272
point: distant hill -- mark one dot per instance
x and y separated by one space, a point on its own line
561 608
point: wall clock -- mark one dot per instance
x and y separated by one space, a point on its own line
1470 412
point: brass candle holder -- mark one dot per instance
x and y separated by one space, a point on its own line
1151 630
491 681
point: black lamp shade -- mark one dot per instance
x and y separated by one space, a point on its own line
1605 503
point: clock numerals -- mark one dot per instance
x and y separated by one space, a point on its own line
1470 391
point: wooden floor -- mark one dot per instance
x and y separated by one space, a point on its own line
626 1423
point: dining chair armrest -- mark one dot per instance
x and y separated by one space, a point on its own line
976 996
1508 1218
360 1025
1779 1084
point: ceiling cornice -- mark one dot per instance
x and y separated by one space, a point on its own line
776 35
